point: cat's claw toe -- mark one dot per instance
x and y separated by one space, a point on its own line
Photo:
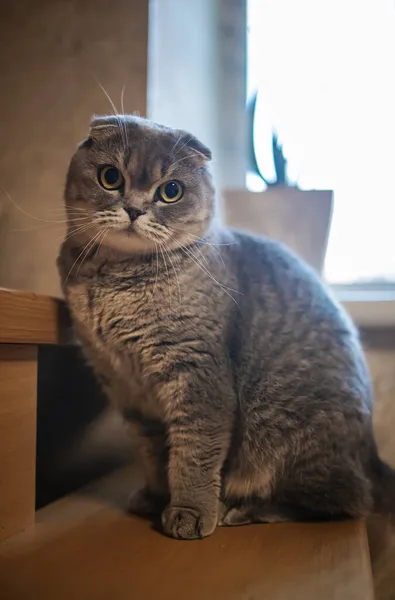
235 517
143 502
186 523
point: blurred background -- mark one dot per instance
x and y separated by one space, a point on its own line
320 74
316 73
325 71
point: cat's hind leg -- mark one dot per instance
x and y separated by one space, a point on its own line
317 493
256 511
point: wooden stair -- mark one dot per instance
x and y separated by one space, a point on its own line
85 545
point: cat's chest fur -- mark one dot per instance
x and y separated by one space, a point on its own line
115 321
134 331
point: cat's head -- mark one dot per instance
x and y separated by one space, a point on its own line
140 184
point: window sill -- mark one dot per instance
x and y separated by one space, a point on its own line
372 314
368 307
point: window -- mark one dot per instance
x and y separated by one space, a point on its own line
326 71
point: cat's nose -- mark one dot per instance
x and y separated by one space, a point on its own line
133 213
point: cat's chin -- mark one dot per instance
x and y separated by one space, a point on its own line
128 242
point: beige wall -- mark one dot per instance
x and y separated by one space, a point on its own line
50 53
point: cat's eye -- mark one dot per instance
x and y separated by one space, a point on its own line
170 191
110 178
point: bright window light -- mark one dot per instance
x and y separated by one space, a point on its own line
326 71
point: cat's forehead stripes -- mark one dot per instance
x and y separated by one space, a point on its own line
150 153
146 167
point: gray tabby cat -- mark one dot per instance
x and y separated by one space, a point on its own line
244 382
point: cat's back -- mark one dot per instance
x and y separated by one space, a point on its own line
282 284
289 325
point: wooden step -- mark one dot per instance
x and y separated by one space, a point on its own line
26 320
87 547
18 407
40 371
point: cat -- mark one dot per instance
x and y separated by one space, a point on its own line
243 380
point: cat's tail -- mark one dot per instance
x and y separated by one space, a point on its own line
383 489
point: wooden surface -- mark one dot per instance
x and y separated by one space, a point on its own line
86 547
27 318
18 387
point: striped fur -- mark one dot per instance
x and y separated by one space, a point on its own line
243 380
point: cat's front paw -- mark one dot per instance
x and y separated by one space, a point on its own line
144 503
187 523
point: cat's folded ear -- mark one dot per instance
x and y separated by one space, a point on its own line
193 143
99 128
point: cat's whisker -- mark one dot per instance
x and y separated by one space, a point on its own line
224 288
168 253
102 240
123 131
197 249
88 248
76 216
183 146
64 209
40 226
121 120
122 95
106 221
70 220
157 268
71 216
79 230
188 252
189 248
64 238
202 240
218 253
176 162
88 245
107 95
205 242
152 263
176 144
121 125
27 214
167 273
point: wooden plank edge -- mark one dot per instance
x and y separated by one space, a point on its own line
29 318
